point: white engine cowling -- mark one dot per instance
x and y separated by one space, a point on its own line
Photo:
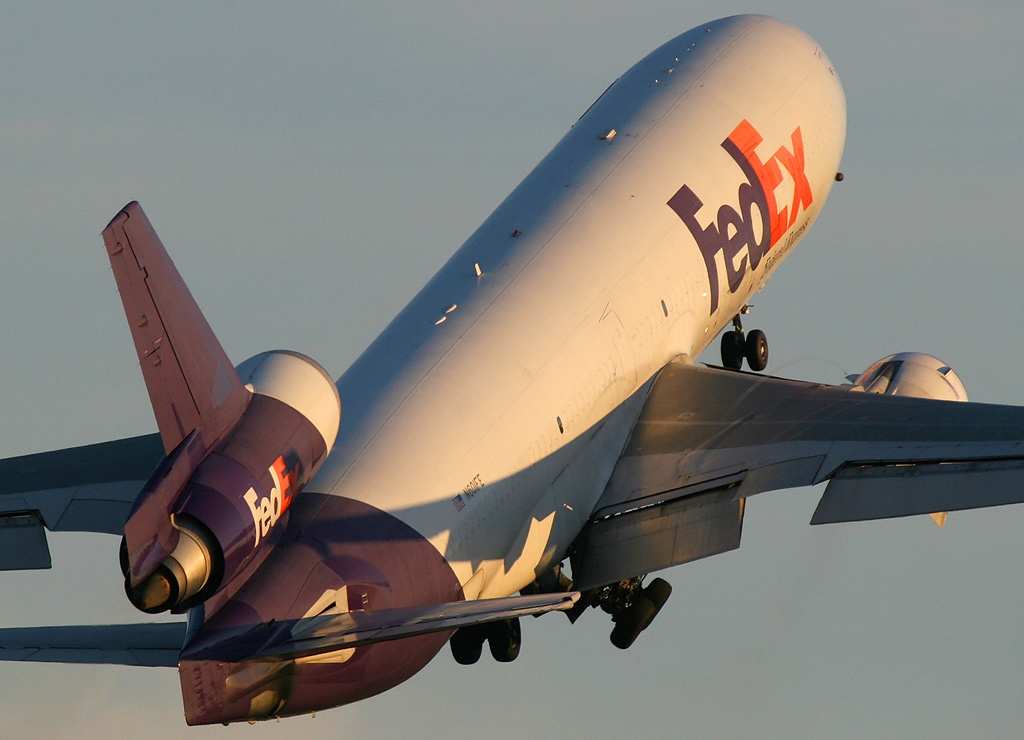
911 374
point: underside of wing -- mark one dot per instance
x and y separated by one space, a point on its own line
148 644
707 438
79 489
349 629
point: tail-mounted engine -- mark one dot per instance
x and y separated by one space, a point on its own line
240 442
911 374
233 505
180 547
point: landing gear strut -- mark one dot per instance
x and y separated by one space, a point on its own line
736 346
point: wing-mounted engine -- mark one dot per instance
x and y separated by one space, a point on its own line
911 374
234 505
240 443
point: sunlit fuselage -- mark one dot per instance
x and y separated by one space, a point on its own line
480 428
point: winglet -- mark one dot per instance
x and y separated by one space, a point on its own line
191 383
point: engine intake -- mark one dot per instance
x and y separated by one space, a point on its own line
911 374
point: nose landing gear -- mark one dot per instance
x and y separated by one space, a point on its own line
735 346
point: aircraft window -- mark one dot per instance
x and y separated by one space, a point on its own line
561 429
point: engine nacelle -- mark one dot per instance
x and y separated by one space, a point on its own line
911 374
234 504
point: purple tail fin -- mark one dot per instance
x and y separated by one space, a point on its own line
192 384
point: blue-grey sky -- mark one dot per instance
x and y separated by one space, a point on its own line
310 166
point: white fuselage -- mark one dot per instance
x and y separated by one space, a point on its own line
489 414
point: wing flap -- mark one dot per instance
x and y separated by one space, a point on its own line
679 531
863 492
23 542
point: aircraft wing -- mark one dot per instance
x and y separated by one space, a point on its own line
160 644
342 630
147 644
707 438
79 489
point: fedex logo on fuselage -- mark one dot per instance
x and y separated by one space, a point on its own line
733 230
266 511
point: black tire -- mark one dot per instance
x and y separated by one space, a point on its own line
623 635
732 350
757 350
505 640
467 645
658 591
632 622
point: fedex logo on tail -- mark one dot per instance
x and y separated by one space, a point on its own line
266 511
746 235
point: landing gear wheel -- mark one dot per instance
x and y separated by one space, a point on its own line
632 622
505 640
733 349
639 615
658 591
467 644
756 350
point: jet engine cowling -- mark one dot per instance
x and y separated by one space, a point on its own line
911 374
234 504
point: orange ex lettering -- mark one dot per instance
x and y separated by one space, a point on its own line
733 230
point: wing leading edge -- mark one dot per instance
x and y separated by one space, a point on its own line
707 438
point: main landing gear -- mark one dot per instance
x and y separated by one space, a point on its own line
505 638
633 607
736 346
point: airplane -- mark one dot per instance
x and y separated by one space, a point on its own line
535 403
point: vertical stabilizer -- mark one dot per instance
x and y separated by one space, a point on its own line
192 384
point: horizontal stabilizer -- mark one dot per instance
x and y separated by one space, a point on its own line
331 632
146 644
191 383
